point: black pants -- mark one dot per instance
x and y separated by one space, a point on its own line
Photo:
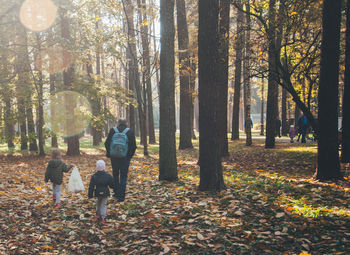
120 174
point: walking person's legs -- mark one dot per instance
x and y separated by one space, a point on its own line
116 172
123 179
57 193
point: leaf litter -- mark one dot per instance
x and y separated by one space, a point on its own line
271 206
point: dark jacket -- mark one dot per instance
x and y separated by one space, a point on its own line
99 183
131 142
55 169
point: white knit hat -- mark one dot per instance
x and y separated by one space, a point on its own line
100 165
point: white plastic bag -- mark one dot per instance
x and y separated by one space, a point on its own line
75 184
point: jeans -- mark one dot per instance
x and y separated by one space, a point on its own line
101 207
120 174
56 190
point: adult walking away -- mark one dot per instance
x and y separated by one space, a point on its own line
303 125
278 127
120 147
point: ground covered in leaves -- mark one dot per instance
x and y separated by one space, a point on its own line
271 206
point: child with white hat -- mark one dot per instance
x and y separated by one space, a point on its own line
98 187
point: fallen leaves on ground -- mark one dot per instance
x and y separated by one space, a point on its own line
265 209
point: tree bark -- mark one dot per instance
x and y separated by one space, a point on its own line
328 166
272 93
345 153
246 72
52 78
211 177
224 31
21 84
167 127
262 110
238 73
185 75
285 123
73 141
147 77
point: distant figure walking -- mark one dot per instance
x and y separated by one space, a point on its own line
278 127
98 187
120 147
291 133
54 173
303 125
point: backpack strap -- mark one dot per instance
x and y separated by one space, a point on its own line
125 131
116 130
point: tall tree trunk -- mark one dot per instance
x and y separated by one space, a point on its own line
7 95
148 102
40 105
21 83
211 177
73 141
262 110
9 123
31 126
167 127
328 166
192 88
96 101
272 93
52 78
285 124
247 119
184 73
133 69
238 73
224 31
345 153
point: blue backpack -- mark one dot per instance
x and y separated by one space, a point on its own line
119 144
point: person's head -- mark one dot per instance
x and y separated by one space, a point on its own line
122 122
292 126
100 165
56 154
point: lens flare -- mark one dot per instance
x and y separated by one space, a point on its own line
53 60
38 15
67 113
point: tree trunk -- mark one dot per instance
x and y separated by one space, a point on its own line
328 166
262 108
238 73
345 153
54 142
167 127
40 105
21 83
272 93
193 87
246 72
285 123
7 95
211 177
133 69
224 31
185 75
147 77
9 122
31 129
73 141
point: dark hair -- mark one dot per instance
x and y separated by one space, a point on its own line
122 122
56 154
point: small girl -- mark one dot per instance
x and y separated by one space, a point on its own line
54 173
99 183
291 133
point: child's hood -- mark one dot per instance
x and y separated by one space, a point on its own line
55 163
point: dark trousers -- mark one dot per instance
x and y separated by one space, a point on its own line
120 174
